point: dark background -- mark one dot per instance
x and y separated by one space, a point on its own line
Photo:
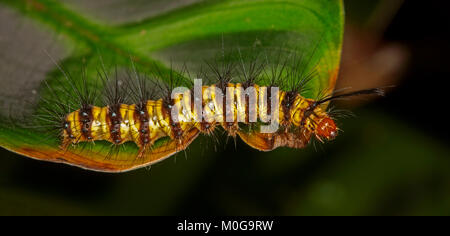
420 100
393 158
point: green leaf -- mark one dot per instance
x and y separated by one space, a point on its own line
182 34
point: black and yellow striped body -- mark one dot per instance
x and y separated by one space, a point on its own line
153 120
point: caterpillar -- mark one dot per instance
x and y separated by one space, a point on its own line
264 116
299 117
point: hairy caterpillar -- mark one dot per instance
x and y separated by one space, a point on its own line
143 124
242 109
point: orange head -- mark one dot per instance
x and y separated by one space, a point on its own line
326 129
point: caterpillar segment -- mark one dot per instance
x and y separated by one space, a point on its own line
299 119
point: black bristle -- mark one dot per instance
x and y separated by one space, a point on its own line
372 91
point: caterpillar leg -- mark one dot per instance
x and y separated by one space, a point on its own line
268 142
143 151
65 144
293 140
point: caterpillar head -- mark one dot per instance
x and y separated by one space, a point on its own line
326 128
317 121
